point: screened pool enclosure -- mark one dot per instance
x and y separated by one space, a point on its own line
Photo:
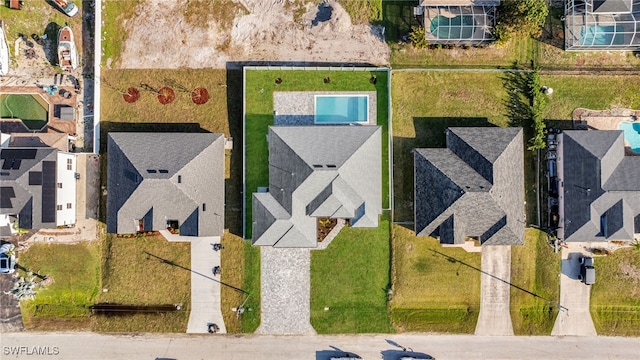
602 24
459 24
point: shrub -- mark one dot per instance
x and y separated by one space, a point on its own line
417 37
520 17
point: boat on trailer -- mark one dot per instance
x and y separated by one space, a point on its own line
67 52
4 52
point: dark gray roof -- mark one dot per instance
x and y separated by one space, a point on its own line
601 187
318 171
166 176
23 191
473 188
612 6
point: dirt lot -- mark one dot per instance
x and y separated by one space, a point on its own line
269 30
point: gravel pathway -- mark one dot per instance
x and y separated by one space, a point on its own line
285 291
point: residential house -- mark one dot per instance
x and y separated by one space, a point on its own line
318 172
474 188
38 188
602 25
159 181
458 22
599 187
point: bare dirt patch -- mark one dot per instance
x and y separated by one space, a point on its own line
262 30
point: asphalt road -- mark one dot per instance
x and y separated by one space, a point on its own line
89 346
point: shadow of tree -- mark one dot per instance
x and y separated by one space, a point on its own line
50 46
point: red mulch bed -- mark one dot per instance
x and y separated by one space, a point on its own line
200 96
132 95
166 95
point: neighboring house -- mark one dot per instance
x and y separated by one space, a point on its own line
38 187
602 24
600 187
464 22
318 172
472 189
157 181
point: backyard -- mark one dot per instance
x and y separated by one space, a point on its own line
536 285
615 297
72 283
435 289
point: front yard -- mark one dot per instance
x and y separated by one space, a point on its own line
615 297
72 284
535 270
435 289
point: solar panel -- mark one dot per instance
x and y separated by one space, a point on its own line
35 178
6 164
6 194
48 191
18 154
16 164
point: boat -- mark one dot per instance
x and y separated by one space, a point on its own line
67 6
67 53
4 53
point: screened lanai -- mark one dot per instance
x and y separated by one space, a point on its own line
461 22
602 25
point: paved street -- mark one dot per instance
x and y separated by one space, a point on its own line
88 346
574 296
495 318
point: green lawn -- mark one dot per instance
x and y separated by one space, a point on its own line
436 289
132 277
73 278
424 105
615 297
260 85
351 278
535 269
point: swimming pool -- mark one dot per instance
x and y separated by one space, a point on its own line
601 35
459 27
32 109
341 109
631 134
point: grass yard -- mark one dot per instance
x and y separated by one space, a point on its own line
114 15
534 268
424 105
435 288
132 277
351 278
363 11
260 85
615 297
590 91
74 275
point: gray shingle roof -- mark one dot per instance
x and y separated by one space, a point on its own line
166 176
601 187
612 6
473 188
318 171
21 198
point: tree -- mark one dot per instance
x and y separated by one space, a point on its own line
520 18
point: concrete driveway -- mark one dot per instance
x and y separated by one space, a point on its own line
574 296
285 291
495 318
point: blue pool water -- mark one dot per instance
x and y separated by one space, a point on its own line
341 109
459 27
601 35
631 134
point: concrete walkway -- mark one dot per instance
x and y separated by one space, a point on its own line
285 291
574 296
205 287
494 318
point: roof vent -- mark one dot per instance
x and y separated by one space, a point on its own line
162 171
331 166
317 166
151 171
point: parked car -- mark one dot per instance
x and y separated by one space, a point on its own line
553 187
587 271
7 258
552 155
552 167
67 6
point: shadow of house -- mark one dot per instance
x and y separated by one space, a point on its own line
472 188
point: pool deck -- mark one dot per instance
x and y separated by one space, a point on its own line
605 120
298 107
55 124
